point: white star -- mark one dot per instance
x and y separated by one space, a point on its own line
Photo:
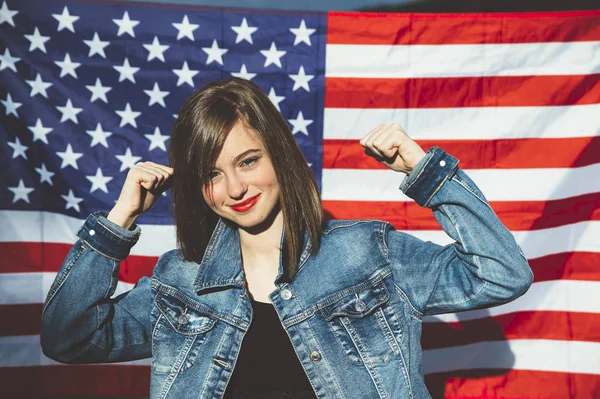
301 80
99 181
244 32
7 15
128 161
67 67
38 86
273 56
126 71
126 25
157 140
96 46
65 20
128 116
69 112
300 124
45 174
99 91
21 192
186 29
37 41
156 95
18 148
69 158
99 136
8 61
39 131
214 53
243 73
10 105
156 50
275 99
302 33
185 75
72 201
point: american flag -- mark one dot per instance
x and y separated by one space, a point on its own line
90 88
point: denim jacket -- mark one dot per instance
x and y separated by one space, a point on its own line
353 311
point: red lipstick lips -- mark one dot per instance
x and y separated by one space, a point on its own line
245 205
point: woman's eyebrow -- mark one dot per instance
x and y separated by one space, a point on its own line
243 154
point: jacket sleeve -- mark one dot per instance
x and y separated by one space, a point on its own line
484 266
80 321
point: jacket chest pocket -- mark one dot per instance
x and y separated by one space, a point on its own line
179 333
363 325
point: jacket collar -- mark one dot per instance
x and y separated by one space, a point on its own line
221 265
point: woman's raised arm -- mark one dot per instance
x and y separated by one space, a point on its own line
484 267
81 323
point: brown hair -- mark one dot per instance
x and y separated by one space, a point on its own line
198 136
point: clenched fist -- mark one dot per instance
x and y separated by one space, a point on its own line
144 183
390 145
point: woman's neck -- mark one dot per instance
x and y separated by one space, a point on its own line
260 257
262 247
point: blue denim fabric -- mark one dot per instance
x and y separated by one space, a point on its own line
353 311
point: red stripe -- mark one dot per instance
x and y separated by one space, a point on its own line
480 154
516 215
512 384
20 319
72 381
483 91
572 265
521 325
566 326
564 266
22 257
387 28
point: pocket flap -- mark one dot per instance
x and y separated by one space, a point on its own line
181 316
359 303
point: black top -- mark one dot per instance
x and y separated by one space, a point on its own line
267 366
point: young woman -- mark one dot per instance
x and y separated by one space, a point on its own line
261 299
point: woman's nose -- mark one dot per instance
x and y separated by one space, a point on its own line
236 187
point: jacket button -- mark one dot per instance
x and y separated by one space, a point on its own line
183 319
315 356
442 163
92 232
286 294
360 306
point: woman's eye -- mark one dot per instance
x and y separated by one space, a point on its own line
249 161
212 175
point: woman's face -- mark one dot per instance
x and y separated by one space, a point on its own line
244 186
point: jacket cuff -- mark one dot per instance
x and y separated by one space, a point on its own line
429 175
107 237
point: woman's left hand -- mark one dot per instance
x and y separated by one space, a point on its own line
390 145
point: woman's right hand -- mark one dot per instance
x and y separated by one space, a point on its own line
144 183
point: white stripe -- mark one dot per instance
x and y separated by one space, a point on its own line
475 123
576 237
517 354
496 184
25 351
547 296
30 288
31 226
581 236
421 61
